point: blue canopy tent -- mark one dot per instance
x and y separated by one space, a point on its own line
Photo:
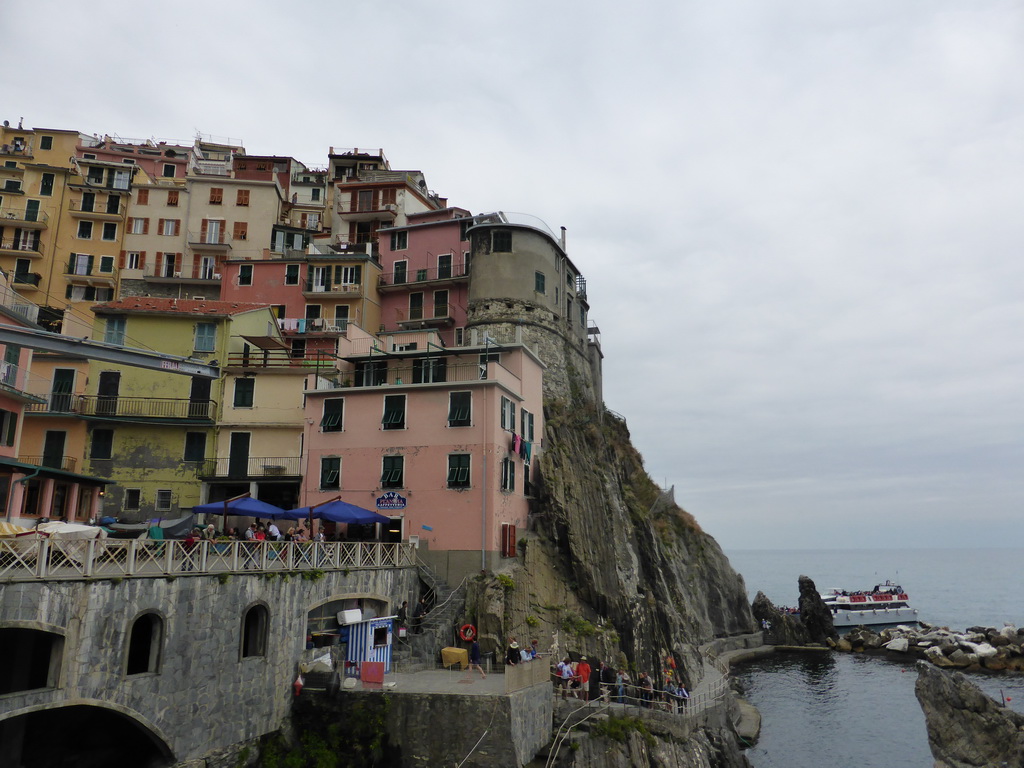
338 511
245 506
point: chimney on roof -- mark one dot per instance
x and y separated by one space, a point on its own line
563 238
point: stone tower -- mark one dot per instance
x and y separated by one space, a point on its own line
521 278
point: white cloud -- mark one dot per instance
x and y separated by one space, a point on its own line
798 220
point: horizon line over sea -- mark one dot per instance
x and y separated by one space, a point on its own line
957 588
835 699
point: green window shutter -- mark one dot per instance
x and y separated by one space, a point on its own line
12 428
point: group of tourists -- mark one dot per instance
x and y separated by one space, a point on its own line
516 655
579 680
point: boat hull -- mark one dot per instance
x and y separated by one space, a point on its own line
873 617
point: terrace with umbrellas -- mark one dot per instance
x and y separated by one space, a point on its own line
335 535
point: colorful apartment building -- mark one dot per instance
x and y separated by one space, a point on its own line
36 230
374 343
441 440
425 278
160 436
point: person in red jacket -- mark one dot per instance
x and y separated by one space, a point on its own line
583 673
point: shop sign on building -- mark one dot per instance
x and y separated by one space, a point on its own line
391 500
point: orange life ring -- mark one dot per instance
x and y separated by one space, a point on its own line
468 632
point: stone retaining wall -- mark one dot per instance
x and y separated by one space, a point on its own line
204 696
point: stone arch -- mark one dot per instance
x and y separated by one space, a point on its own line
144 745
144 642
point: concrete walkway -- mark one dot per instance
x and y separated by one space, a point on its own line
455 681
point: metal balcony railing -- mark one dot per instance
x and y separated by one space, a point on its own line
312 325
114 208
136 407
399 375
251 466
406 276
211 237
435 312
212 167
13 302
27 278
65 463
8 214
20 244
15 376
17 149
373 206
329 287
279 359
84 269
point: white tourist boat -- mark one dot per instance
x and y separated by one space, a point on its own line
885 604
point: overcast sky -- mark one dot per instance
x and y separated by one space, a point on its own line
800 221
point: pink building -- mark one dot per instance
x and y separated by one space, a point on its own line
441 440
316 293
425 279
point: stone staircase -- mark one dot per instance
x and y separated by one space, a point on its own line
438 629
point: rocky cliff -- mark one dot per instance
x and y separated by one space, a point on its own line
967 729
611 567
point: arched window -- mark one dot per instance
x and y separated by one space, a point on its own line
144 644
254 631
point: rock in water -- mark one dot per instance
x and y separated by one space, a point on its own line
966 728
815 615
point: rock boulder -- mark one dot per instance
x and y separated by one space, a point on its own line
814 614
967 729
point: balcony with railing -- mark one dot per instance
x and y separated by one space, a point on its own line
427 371
90 271
211 240
382 208
250 467
399 278
282 360
14 303
316 177
329 288
212 167
293 325
27 280
16 149
22 245
18 381
430 316
28 218
127 408
88 208
65 463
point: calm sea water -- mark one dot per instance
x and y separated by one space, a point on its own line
844 709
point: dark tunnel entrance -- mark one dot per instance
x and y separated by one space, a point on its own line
80 737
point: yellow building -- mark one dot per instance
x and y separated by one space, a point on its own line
170 442
35 230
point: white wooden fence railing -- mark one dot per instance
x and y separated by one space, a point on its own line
55 559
